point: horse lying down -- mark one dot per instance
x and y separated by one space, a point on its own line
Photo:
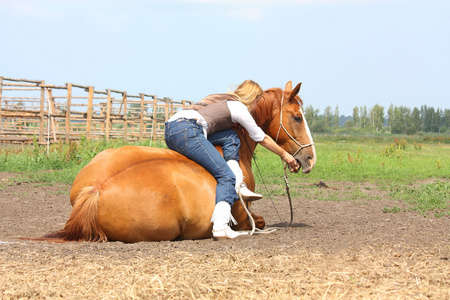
136 193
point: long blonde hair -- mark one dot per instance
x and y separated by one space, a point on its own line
247 92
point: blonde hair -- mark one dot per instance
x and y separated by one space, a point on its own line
247 92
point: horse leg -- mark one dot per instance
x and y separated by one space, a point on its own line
241 217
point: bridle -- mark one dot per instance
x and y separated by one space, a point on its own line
286 179
288 134
300 147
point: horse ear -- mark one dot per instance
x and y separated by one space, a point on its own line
288 87
295 91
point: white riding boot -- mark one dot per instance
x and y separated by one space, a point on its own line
221 218
241 187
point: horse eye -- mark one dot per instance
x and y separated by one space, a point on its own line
298 119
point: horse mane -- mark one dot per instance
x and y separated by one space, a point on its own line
265 106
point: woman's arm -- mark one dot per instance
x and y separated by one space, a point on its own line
270 144
240 114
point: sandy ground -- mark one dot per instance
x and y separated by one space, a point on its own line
334 250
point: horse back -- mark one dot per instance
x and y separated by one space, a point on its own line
149 194
111 164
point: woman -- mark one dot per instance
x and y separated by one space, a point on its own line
194 131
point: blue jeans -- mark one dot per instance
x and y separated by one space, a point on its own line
229 141
186 137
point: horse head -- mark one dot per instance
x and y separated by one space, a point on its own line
279 113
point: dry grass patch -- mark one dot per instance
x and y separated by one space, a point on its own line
376 272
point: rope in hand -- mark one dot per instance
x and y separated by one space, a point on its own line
261 177
286 180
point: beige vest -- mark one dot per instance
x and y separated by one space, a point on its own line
215 110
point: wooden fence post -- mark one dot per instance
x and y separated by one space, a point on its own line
41 113
89 112
108 114
166 109
45 113
68 108
51 110
141 118
125 119
155 110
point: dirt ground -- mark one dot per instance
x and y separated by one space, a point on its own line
334 250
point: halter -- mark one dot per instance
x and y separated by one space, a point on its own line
285 130
286 179
300 147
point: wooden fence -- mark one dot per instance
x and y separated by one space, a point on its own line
33 110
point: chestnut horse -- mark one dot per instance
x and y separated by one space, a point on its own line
135 193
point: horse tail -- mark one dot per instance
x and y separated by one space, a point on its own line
83 222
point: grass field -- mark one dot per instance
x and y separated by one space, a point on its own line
417 173
414 169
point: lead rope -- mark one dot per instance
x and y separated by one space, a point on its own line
252 221
286 181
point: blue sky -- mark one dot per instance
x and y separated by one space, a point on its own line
347 53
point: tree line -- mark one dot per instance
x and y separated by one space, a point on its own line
397 119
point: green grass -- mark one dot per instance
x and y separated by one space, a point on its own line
398 166
433 198
62 162
367 160
391 165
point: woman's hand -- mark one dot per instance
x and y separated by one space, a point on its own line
270 144
291 162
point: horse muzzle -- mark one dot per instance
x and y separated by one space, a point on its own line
307 160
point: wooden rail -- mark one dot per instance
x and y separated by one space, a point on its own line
33 110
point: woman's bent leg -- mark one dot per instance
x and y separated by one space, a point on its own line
188 139
229 141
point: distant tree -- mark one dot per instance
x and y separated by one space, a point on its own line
364 116
431 119
356 118
343 120
402 120
398 122
349 124
319 126
447 118
415 120
311 115
399 119
390 116
436 123
336 117
328 117
377 117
